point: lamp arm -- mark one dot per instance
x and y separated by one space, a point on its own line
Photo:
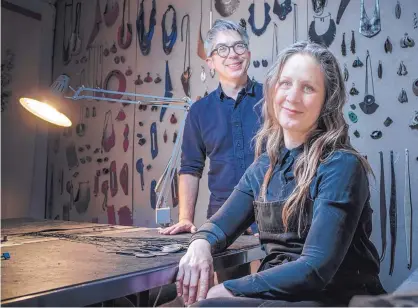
163 186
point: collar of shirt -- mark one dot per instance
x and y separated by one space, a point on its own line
285 152
248 89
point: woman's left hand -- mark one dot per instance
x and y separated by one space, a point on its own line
219 291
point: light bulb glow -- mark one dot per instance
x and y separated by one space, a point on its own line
45 111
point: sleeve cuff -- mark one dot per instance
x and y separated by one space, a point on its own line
197 174
213 234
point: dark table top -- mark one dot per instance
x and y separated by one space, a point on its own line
43 270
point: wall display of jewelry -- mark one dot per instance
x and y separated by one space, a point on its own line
146 60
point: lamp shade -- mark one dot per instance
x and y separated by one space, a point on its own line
49 105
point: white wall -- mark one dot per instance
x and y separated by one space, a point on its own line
397 137
24 137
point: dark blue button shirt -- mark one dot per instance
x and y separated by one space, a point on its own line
222 129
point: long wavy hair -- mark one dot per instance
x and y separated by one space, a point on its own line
329 134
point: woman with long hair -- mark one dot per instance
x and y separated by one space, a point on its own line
308 192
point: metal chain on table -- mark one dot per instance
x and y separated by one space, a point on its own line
123 245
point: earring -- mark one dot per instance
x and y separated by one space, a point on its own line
343 47
379 70
148 79
357 63
346 74
353 90
212 72
113 49
138 81
407 41
158 79
402 69
388 46
398 10
403 98
353 43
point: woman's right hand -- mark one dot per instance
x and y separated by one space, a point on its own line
195 272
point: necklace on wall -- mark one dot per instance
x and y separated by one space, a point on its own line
324 39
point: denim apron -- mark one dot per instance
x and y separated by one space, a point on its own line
282 247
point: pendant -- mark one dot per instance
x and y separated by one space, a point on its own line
407 41
388 46
357 63
343 47
346 74
403 98
353 43
377 134
353 90
379 70
398 10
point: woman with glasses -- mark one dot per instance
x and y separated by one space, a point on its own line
308 192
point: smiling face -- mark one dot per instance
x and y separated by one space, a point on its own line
234 66
300 94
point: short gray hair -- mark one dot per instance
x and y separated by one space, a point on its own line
223 25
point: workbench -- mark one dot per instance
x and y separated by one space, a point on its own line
47 267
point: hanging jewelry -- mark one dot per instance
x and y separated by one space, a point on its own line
403 98
352 116
328 37
388 46
275 46
414 121
158 79
415 87
388 122
282 9
138 81
407 41
295 24
346 74
318 6
113 49
343 47
369 27
187 71
212 72
398 10
148 79
357 63
379 70
369 104
267 19
353 43
169 39
377 134
203 74
353 90
402 69
341 9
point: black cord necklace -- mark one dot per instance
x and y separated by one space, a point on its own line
324 39
169 40
267 19
144 39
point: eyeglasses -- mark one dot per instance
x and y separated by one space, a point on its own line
223 50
